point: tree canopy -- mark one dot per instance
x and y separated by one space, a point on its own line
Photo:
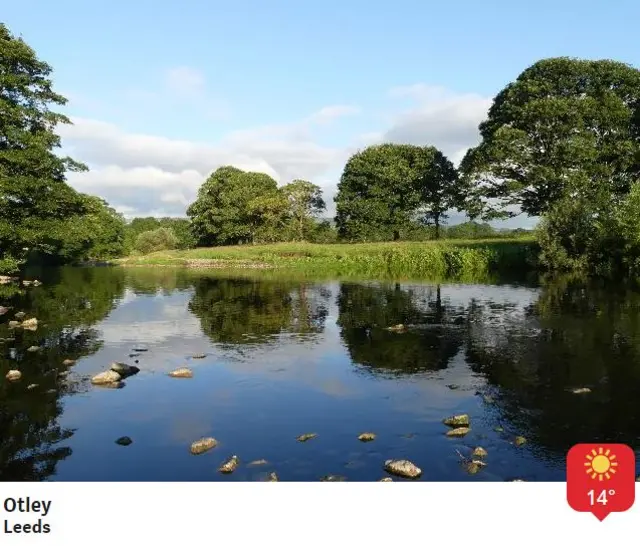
565 127
386 188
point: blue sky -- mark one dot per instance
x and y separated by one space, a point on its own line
163 92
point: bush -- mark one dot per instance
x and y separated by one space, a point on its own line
156 240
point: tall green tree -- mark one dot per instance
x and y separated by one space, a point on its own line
232 206
377 195
439 186
566 128
305 203
385 188
34 197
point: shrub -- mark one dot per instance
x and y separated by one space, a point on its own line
156 240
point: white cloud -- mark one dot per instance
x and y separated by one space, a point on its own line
145 174
185 81
440 118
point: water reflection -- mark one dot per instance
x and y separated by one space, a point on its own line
434 329
285 357
67 307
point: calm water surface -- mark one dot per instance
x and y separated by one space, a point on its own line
285 358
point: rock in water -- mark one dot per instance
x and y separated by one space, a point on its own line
106 378
13 375
387 479
68 362
184 373
20 315
398 328
32 386
124 369
273 477
124 441
457 421
229 465
3 310
581 390
202 445
458 432
520 441
199 355
333 478
367 437
14 324
473 467
259 462
34 349
479 452
306 437
402 467
140 350
30 324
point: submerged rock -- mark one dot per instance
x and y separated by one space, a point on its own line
32 386
124 370
202 445
184 373
499 429
140 350
458 432
133 355
199 355
34 349
258 462
106 378
114 385
580 390
473 467
229 465
13 375
68 362
306 437
520 441
20 315
124 441
367 437
387 479
30 324
457 420
402 467
479 452
333 478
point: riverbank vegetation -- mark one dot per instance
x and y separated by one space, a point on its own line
561 143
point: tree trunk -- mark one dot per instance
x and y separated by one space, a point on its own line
396 235
436 221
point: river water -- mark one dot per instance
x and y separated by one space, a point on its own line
285 358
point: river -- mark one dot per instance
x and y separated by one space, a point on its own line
551 364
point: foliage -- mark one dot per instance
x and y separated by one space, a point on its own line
305 203
181 228
566 128
36 203
234 207
156 240
384 188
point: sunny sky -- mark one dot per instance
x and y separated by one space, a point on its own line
163 92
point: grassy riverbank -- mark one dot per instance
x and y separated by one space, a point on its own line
452 258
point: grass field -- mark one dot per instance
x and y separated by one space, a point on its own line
454 259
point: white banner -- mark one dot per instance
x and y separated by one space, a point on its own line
301 513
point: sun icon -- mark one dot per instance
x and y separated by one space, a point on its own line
601 464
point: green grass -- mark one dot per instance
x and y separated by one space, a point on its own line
448 259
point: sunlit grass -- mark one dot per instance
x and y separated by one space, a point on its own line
454 259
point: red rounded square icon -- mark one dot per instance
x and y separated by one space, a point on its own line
601 478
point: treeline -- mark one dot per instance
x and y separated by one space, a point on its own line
561 142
